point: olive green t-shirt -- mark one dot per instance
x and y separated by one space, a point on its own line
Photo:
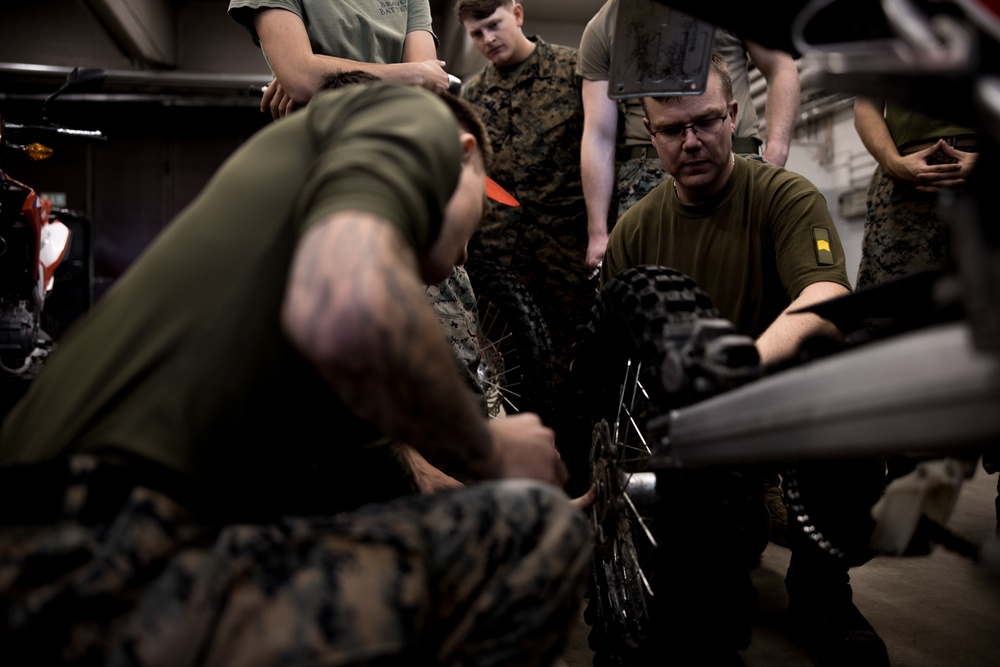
908 126
370 31
183 361
753 247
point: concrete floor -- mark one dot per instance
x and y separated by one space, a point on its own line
940 609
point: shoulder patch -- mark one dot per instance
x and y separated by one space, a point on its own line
821 244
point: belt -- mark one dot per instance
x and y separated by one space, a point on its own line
963 142
636 152
38 493
746 145
740 145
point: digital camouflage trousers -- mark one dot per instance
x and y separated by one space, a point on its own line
487 575
903 232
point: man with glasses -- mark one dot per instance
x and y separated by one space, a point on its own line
618 162
760 241
750 212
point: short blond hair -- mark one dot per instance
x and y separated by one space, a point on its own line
719 66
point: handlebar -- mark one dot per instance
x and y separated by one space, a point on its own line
18 131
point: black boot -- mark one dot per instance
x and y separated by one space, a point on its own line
704 595
834 500
824 619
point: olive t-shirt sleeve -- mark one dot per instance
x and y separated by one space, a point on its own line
385 149
594 61
807 247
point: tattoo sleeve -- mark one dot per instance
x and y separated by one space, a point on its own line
356 308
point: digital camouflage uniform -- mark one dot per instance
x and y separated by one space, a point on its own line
130 578
534 113
903 232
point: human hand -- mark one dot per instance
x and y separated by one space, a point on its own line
585 501
595 251
775 153
951 175
523 447
428 73
277 101
918 169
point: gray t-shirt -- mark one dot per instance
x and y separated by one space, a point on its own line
370 31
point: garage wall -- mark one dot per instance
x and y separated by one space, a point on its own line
829 153
169 128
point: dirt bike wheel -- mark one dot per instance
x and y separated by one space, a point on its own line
619 367
516 368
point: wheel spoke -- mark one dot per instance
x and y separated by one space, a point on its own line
640 521
493 344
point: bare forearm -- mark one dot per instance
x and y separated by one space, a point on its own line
782 339
418 46
357 310
597 167
597 163
305 79
783 93
870 125
301 73
782 113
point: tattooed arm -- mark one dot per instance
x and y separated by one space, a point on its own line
356 308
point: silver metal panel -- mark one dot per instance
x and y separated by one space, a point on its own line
658 51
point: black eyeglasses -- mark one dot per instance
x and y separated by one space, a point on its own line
677 132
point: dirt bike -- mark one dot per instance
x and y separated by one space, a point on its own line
670 390
33 240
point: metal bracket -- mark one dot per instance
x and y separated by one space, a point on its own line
658 51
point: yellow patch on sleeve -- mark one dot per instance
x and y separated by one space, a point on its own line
824 253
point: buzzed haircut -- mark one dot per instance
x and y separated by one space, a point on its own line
465 113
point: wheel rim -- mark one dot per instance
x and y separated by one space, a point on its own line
515 354
499 362
621 516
